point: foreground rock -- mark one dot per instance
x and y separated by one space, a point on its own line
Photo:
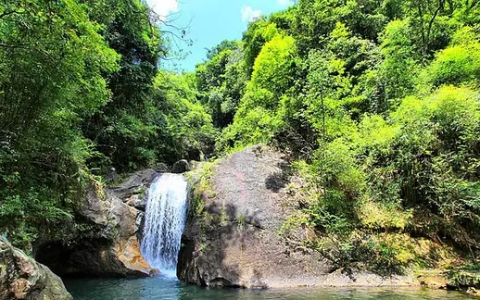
107 243
21 277
235 241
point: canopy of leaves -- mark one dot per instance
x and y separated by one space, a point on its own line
80 93
380 98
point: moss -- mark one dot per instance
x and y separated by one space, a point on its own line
96 182
201 187
241 221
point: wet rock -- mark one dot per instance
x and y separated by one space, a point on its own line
21 277
181 166
137 201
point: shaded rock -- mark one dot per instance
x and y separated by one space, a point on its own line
161 168
112 176
235 241
137 201
137 184
463 278
108 242
21 277
452 279
181 166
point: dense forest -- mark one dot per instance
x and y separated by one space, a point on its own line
376 102
81 92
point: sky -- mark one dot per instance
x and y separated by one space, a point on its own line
208 22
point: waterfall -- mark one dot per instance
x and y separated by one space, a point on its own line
164 222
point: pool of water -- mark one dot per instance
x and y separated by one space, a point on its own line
161 288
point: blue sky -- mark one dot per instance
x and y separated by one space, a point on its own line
210 22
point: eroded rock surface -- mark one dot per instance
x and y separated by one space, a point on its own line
21 277
108 243
235 241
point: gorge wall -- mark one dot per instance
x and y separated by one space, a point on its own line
235 239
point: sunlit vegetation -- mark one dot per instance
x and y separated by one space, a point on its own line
377 101
80 93
380 101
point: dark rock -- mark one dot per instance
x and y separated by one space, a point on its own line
112 176
235 241
21 277
194 154
181 166
137 184
161 168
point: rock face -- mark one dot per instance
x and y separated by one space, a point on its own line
235 242
108 245
181 166
21 277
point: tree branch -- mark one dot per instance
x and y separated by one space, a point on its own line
7 13
441 4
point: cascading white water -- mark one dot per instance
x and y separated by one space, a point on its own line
164 222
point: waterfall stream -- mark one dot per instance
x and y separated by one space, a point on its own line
164 222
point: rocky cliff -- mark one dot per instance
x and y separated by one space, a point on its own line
106 241
233 239
21 277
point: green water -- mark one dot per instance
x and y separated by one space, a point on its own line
159 288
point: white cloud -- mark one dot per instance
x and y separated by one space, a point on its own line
163 7
249 14
285 2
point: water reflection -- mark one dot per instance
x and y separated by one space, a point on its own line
161 288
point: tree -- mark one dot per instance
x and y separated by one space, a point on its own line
52 64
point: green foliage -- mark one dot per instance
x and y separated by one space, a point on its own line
186 129
459 63
257 119
398 69
53 63
79 90
221 82
126 128
274 67
318 18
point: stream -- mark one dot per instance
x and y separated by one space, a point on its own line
163 288
164 223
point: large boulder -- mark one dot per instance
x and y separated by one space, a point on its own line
181 166
107 243
235 240
21 277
